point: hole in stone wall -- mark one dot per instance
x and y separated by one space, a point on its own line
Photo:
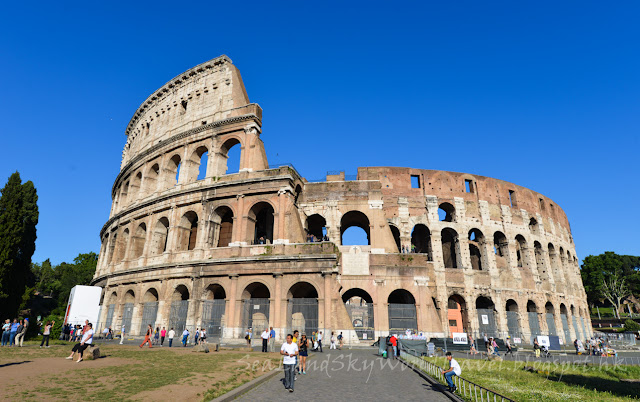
415 181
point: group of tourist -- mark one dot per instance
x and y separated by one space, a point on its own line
311 238
296 346
596 346
13 333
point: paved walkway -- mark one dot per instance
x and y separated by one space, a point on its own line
357 375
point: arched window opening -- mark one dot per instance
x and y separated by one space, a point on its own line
396 237
151 179
297 192
173 170
224 218
124 191
486 317
446 212
188 231
350 224
533 226
534 324
476 241
359 305
565 324
255 308
551 319
521 246
203 155
160 236
542 270
513 319
457 314
421 240
213 310
303 308
134 187
111 308
501 250
554 260
261 220
402 312
316 228
137 241
127 311
230 154
179 308
149 310
112 248
450 247
122 247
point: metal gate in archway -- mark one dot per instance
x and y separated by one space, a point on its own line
149 314
212 312
513 324
109 321
584 330
534 325
178 316
487 322
575 327
551 324
361 316
303 315
402 317
255 315
565 328
127 315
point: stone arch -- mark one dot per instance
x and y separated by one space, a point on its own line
198 164
521 246
457 314
151 179
127 309
450 248
172 171
355 219
134 187
485 309
513 318
316 227
223 219
223 155
302 308
359 305
501 250
476 249
255 306
540 264
121 250
554 260
214 291
421 240
112 248
180 292
138 240
564 319
179 308
213 310
160 236
187 231
446 212
261 222
550 316
149 309
395 232
150 295
534 323
402 311
533 226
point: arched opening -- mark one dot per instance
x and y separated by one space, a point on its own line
354 229
585 335
542 269
551 319
521 246
111 308
402 312
450 247
127 311
223 219
513 318
316 228
149 310
187 231
534 324
151 179
230 154
124 192
501 250
446 212
255 307
160 236
554 260
112 247
457 314
122 246
297 193
421 240
574 321
173 170
138 240
202 160
359 305
303 308
179 308
261 223
134 187
476 245
486 317
213 310
395 232
533 226
565 324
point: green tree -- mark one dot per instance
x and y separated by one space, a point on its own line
79 273
631 325
18 220
597 269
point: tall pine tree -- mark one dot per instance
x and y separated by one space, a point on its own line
18 220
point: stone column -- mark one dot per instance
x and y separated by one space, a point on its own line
278 325
279 231
239 223
233 325
327 276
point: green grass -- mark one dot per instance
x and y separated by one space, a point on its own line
216 373
550 381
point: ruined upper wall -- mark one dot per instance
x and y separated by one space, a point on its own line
209 92
396 182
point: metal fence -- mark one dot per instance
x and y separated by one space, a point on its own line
487 322
402 317
584 331
303 315
178 316
127 315
109 321
212 312
362 319
534 325
149 313
575 327
513 323
551 324
465 387
565 328
255 314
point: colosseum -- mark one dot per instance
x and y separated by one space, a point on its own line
190 244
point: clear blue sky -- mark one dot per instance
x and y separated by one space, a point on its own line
544 94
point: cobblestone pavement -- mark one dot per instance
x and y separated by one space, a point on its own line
356 374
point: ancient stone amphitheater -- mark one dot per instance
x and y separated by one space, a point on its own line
188 244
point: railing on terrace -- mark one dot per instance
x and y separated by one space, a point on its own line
466 388
282 164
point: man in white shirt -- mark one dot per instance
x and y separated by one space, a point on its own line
172 333
289 350
320 341
185 337
454 369
122 334
87 339
265 340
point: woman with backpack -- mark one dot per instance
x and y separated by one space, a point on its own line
147 336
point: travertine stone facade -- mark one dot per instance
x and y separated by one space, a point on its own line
188 244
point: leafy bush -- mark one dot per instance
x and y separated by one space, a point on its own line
632 326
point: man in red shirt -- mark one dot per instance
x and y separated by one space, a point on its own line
394 344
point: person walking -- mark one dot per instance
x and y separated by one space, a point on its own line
14 332
486 342
472 349
454 369
156 336
122 334
87 339
172 334
340 341
303 347
46 332
6 327
22 331
290 351
196 336
185 337
394 345
320 341
163 334
247 336
333 341
203 336
536 347
508 345
147 336
272 340
265 340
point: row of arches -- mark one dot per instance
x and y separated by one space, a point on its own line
163 175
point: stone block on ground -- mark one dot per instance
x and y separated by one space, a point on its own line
92 352
201 348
